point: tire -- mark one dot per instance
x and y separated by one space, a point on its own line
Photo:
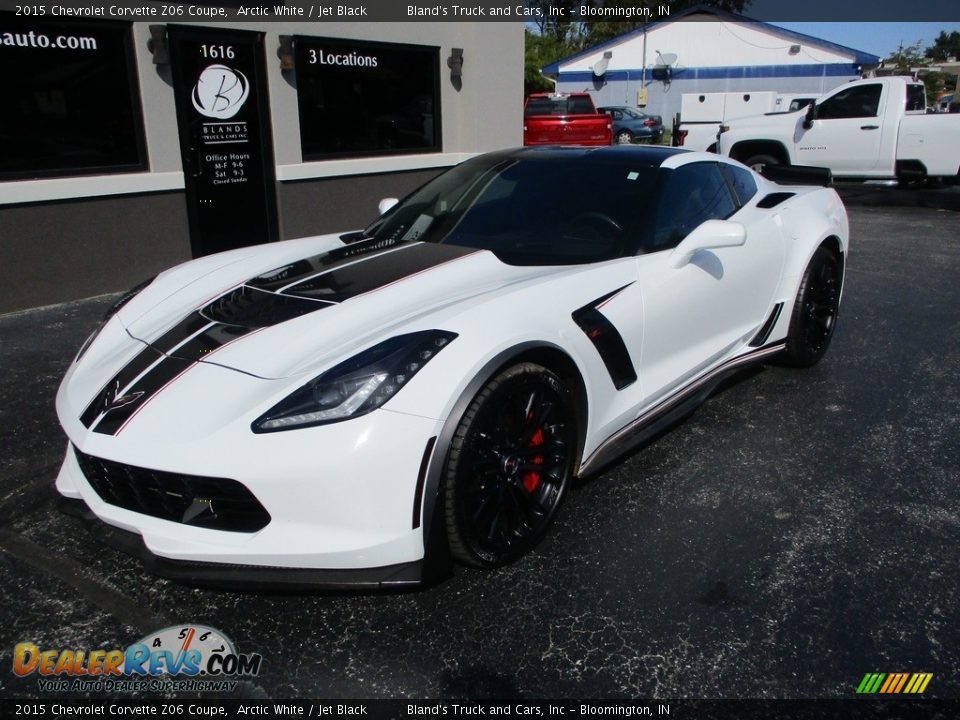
624 137
815 311
758 162
509 466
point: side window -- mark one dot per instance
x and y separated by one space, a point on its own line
854 102
916 98
693 193
742 182
617 115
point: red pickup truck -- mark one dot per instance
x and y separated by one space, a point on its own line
567 119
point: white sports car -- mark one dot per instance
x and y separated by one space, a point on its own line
362 408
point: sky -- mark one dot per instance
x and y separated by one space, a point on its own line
876 38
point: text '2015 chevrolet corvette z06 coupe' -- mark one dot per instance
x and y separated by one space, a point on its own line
360 409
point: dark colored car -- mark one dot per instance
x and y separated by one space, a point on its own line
629 124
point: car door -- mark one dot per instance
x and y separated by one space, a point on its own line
847 131
697 314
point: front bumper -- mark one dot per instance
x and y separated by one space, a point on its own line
254 578
340 497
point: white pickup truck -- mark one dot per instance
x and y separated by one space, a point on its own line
874 128
702 114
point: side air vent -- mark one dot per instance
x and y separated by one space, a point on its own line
764 333
774 199
607 341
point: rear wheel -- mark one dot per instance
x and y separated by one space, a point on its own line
815 311
509 466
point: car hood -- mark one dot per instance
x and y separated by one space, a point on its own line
290 318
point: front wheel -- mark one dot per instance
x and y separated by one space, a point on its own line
815 310
509 466
624 137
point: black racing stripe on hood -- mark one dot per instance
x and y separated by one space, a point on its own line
113 389
244 309
379 271
209 341
140 394
190 325
302 269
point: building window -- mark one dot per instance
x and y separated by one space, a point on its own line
362 98
71 101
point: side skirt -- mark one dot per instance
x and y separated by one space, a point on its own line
669 410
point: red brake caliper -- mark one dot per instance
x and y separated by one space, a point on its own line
531 479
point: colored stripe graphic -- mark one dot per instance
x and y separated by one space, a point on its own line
894 683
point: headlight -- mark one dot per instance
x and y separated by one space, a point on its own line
111 311
356 386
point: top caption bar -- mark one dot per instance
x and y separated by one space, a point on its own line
534 11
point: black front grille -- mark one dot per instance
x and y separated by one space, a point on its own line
215 503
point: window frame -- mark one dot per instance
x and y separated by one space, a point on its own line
727 170
136 101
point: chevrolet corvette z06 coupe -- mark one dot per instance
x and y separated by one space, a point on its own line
360 409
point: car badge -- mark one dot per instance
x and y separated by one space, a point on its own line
118 400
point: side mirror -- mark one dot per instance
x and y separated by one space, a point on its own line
386 205
810 116
708 235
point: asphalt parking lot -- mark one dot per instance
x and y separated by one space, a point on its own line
800 530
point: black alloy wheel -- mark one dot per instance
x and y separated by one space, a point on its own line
510 462
816 309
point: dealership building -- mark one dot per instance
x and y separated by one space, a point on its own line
128 147
704 50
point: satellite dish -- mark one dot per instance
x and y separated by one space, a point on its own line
667 58
600 67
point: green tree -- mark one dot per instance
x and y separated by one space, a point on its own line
944 47
540 51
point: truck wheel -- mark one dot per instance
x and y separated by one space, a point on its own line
758 162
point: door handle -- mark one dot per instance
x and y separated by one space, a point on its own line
869 127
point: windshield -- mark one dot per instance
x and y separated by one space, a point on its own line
536 209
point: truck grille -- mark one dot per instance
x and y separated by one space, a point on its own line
215 503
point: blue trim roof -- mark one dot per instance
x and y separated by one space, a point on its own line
725 73
859 57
